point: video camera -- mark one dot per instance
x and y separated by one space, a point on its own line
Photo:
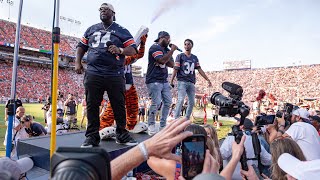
230 107
233 105
286 111
80 163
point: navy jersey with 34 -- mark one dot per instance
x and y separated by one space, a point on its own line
99 60
186 67
156 72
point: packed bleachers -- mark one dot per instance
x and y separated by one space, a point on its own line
34 82
36 38
286 83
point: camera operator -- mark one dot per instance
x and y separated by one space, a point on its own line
226 149
18 130
33 128
17 104
303 133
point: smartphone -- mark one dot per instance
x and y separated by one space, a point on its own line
264 120
193 154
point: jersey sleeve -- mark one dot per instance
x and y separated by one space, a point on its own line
197 64
156 52
84 41
127 39
177 62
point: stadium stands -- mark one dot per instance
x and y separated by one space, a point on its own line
36 38
285 83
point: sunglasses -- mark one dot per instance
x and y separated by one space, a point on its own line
104 9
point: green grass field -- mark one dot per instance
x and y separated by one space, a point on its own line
35 110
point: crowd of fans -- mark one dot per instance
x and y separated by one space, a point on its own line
34 83
36 38
285 83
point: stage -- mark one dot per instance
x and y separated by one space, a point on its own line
38 148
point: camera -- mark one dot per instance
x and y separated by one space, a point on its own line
286 111
264 119
80 163
232 105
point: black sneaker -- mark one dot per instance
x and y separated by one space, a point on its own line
90 142
125 138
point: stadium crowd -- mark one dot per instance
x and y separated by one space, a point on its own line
36 38
33 83
285 83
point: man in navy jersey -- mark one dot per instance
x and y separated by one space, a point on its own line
184 67
160 58
107 44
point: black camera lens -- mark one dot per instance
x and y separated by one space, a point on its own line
218 99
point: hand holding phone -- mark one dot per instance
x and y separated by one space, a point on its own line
193 155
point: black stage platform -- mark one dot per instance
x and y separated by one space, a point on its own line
38 148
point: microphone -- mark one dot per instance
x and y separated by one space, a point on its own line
109 43
232 88
177 48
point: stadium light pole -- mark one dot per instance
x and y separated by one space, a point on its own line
56 41
11 108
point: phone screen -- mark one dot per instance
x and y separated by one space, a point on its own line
193 154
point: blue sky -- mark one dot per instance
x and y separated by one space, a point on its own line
270 33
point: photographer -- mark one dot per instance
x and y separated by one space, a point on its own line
71 110
17 104
18 130
226 149
302 133
32 128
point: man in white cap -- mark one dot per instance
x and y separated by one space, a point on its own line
303 133
107 44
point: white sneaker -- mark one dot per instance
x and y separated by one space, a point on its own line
139 127
152 130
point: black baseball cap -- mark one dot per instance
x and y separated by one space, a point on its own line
161 34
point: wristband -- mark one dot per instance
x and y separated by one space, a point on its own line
144 151
282 132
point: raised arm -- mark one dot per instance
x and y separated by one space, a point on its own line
140 54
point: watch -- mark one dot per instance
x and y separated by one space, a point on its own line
121 50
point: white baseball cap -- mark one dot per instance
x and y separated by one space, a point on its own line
301 170
15 168
303 113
